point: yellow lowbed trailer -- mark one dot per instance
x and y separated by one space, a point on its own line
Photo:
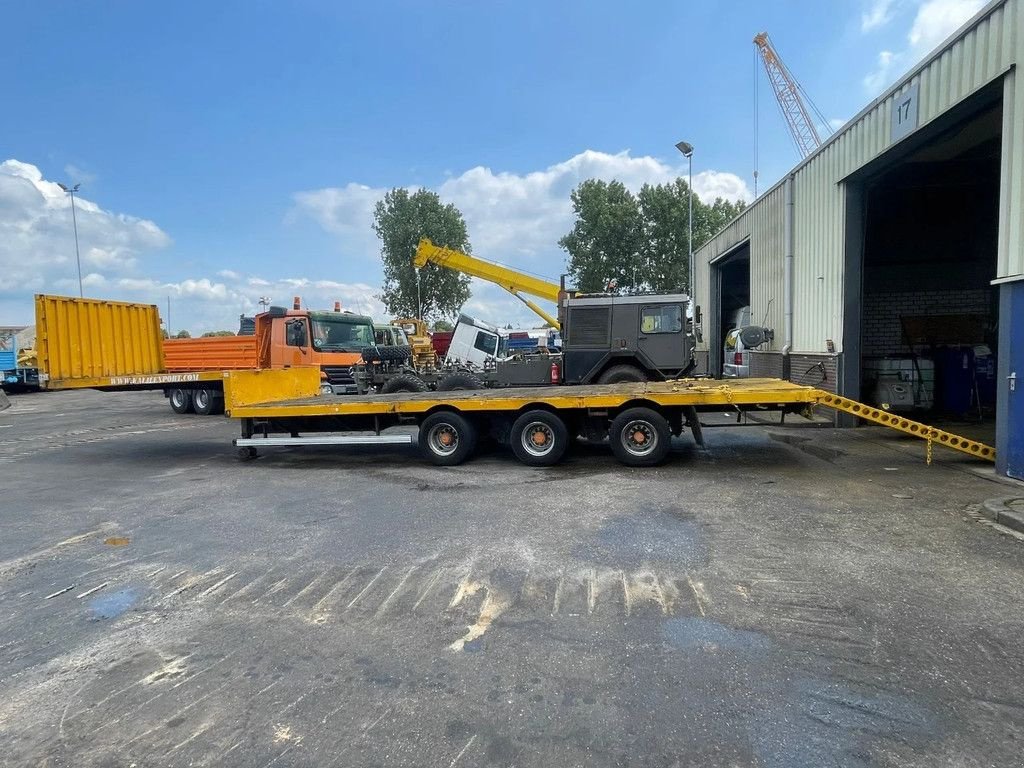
283 408
118 346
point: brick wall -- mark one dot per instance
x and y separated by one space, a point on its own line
882 333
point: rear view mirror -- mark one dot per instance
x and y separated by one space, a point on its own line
296 333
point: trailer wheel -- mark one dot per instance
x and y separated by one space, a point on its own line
640 437
206 401
539 438
618 374
403 382
460 380
181 400
446 438
247 453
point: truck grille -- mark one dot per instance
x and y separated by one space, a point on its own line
339 374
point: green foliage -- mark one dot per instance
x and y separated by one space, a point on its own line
183 334
443 326
604 244
642 241
400 220
210 334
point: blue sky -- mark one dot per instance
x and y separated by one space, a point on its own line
231 150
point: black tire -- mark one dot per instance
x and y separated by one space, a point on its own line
180 400
460 380
618 374
640 437
446 438
404 382
207 402
387 354
539 438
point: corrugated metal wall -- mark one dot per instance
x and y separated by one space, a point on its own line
987 51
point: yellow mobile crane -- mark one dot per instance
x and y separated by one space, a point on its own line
514 282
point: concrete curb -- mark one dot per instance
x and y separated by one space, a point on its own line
1005 510
4 402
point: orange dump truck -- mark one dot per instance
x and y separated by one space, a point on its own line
90 343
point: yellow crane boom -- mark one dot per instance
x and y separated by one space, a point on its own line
514 282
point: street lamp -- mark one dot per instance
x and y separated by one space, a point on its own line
687 150
264 302
74 221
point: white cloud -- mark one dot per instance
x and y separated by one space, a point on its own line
934 21
37 244
877 15
515 217
78 175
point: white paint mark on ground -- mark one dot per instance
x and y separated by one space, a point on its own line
699 594
218 585
426 590
88 592
367 588
493 606
387 600
464 750
59 592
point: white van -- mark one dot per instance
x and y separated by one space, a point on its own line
735 356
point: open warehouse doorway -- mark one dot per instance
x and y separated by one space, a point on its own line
730 309
929 315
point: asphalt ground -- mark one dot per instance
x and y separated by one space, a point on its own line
788 597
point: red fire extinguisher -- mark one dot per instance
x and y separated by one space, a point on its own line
556 372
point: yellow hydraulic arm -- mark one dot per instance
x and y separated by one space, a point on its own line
514 282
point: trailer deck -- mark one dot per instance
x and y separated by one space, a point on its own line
269 402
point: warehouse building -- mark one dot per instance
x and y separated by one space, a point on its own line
890 262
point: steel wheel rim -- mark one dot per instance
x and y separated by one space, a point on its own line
436 439
179 398
636 447
527 439
201 398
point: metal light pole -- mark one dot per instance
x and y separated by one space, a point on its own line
74 222
264 302
687 150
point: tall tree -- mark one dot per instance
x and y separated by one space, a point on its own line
665 258
642 241
604 244
400 220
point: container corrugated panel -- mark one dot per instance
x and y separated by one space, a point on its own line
8 360
91 338
210 353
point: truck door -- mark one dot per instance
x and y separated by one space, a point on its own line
661 339
290 340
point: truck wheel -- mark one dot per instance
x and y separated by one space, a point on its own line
181 400
403 382
539 438
446 438
640 437
618 374
460 380
205 401
388 354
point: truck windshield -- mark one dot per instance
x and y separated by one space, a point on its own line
341 334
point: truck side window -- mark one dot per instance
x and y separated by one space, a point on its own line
664 319
295 333
485 342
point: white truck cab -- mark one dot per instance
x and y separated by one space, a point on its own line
474 342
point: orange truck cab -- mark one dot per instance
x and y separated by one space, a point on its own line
285 338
